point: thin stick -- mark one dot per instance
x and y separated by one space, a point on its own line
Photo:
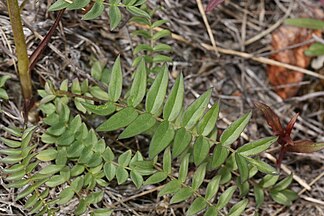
210 33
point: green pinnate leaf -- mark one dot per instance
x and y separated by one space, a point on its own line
234 130
156 94
96 10
195 110
174 103
225 197
197 205
114 16
116 81
138 89
238 208
161 138
256 147
181 195
141 124
201 150
128 115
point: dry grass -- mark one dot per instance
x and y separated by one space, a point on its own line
238 30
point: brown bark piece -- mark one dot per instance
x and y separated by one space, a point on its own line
286 36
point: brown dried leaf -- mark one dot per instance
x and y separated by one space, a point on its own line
305 146
282 38
271 118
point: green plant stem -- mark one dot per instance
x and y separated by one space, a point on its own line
21 51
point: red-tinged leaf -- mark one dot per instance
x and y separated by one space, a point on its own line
291 124
212 4
305 146
271 118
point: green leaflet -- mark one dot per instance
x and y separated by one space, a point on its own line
114 16
138 89
137 12
65 196
262 166
167 161
238 208
200 150
78 4
156 94
121 119
109 170
225 197
283 197
51 169
136 178
170 188
10 143
208 122
316 49
306 23
212 187
116 81
234 130
181 141
195 110
211 211
199 176
256 147
142 123
102 110
96 10
58 5
268 181
161 138
156 178
219 156
174 102
121 175
242 167
181 195
183 171
197 205
283 184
